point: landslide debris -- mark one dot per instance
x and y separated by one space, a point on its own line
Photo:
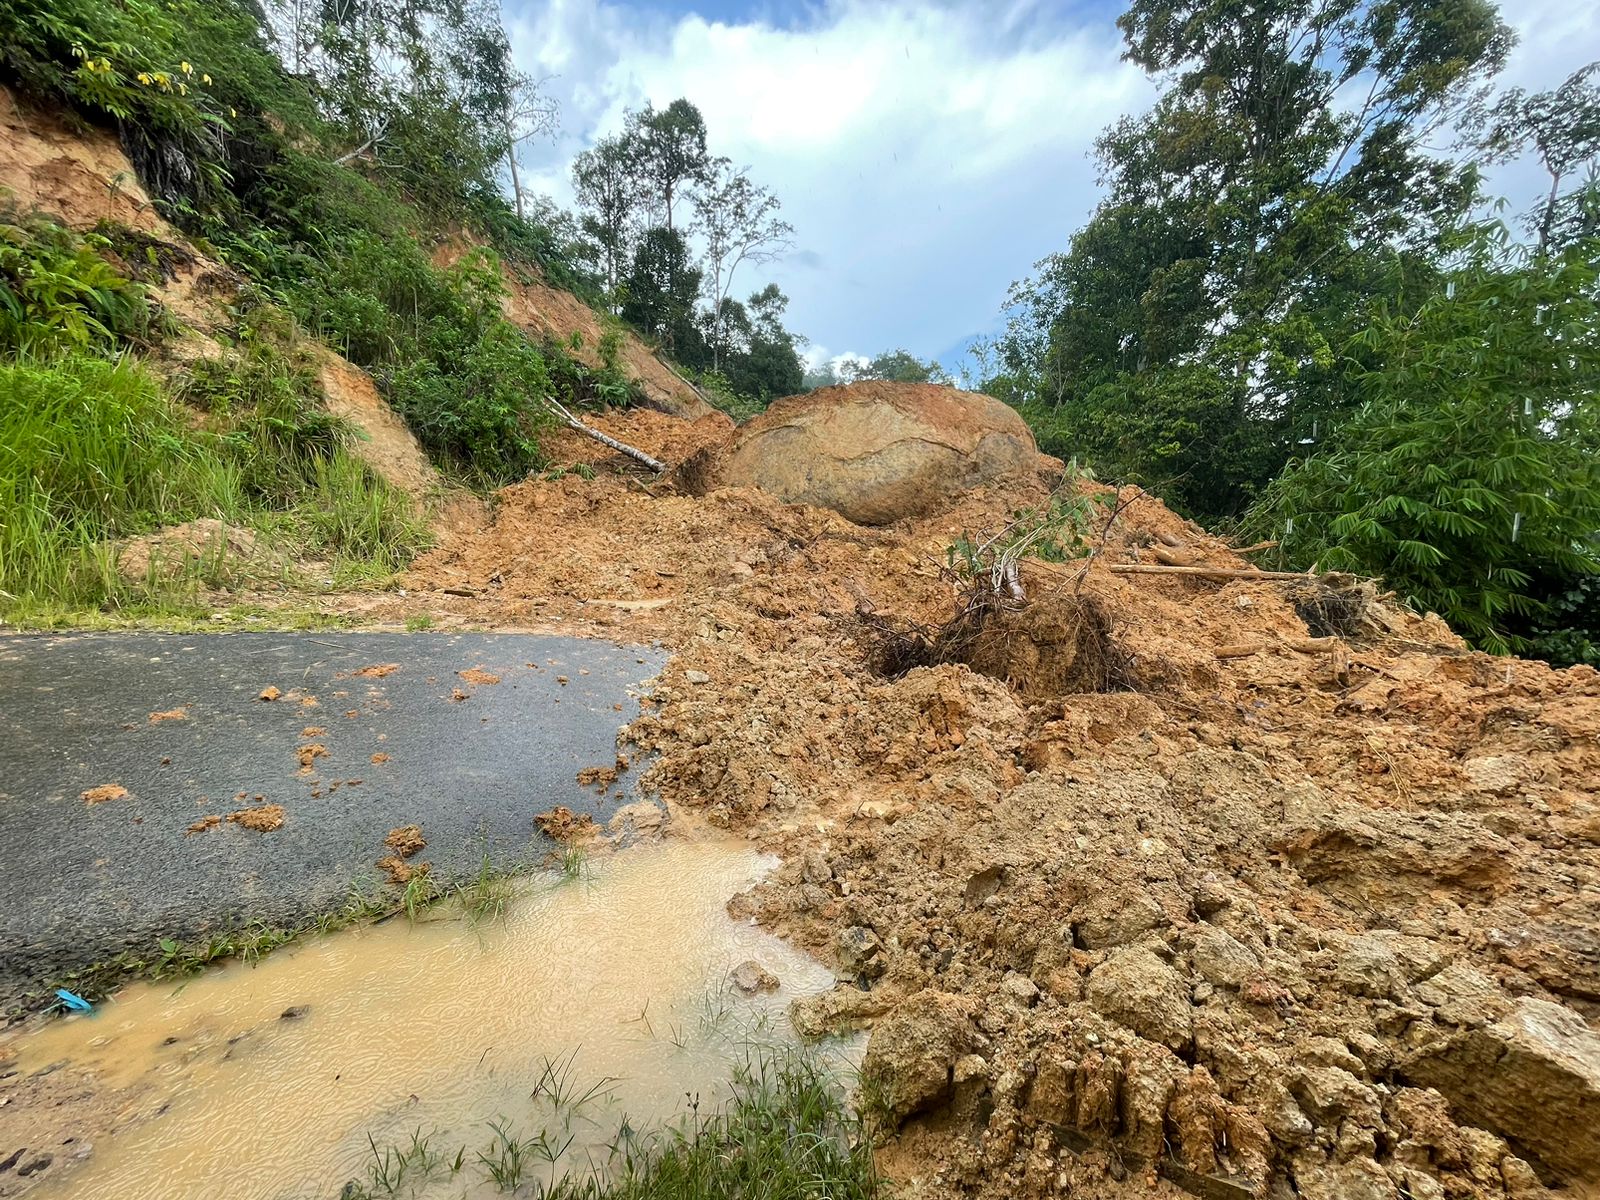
1319 919
874 452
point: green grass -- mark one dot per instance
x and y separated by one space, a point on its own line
786 1132
92 451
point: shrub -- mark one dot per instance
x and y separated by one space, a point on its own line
1473 466
58 292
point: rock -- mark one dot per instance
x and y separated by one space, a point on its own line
1115 917
1211 896
294 1012
1331 1094
1019 988
1358 1179
751 978
1463 995
1501 774
34 1166
1137 989
910 1061
1222 959
876 452
692 676
1533 1077
1368 967
839 1011
636 820
860 953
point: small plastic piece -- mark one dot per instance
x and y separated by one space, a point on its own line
74 1001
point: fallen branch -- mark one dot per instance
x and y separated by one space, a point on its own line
1207 572
1269 544
559 411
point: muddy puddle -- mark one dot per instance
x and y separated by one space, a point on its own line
267 1081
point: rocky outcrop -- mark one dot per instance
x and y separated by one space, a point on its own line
1533 1077
878 452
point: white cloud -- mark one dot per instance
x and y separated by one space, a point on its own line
926 154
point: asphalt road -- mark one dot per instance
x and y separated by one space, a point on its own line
471 763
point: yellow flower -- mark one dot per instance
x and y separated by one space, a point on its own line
183 89
233 112
206 79
144 78
78 51
186 68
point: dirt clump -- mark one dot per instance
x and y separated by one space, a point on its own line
269 694
399 871
406 840
103 793
379 758
477 676
306 755
181 713
263 818
376 671
210 821
217 549
561 824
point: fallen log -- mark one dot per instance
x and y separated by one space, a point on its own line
559 411
1207 572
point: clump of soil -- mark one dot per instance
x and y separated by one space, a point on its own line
379 758
406 840
477 675
220 550
103 793
597 777
210 821
561 824
312 731
263 818
377 671
181 713
399 870
269 694
310 753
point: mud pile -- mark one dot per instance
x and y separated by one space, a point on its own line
1300 915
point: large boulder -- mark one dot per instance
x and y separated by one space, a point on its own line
877 452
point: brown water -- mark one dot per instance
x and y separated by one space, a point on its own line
434 1027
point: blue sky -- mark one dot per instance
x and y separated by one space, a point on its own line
927 153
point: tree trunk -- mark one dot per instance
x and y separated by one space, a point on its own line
516 180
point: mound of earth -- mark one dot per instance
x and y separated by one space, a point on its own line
220 550
877 452
1294 913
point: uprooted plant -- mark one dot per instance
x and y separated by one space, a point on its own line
1038 646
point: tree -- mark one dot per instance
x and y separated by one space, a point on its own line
898 366
740 224
769 364
662 286
1280 177
604 181
1563 127
669 151
530 113
1469 478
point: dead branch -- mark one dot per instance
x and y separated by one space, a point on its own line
1208 572
559 411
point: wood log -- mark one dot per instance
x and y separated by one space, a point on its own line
1242 650
605 439
1175 557
1208 572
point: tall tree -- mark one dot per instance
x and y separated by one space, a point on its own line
531 112
603 179
1279 177
740 224
1563 128
897 366
661 290
669 149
